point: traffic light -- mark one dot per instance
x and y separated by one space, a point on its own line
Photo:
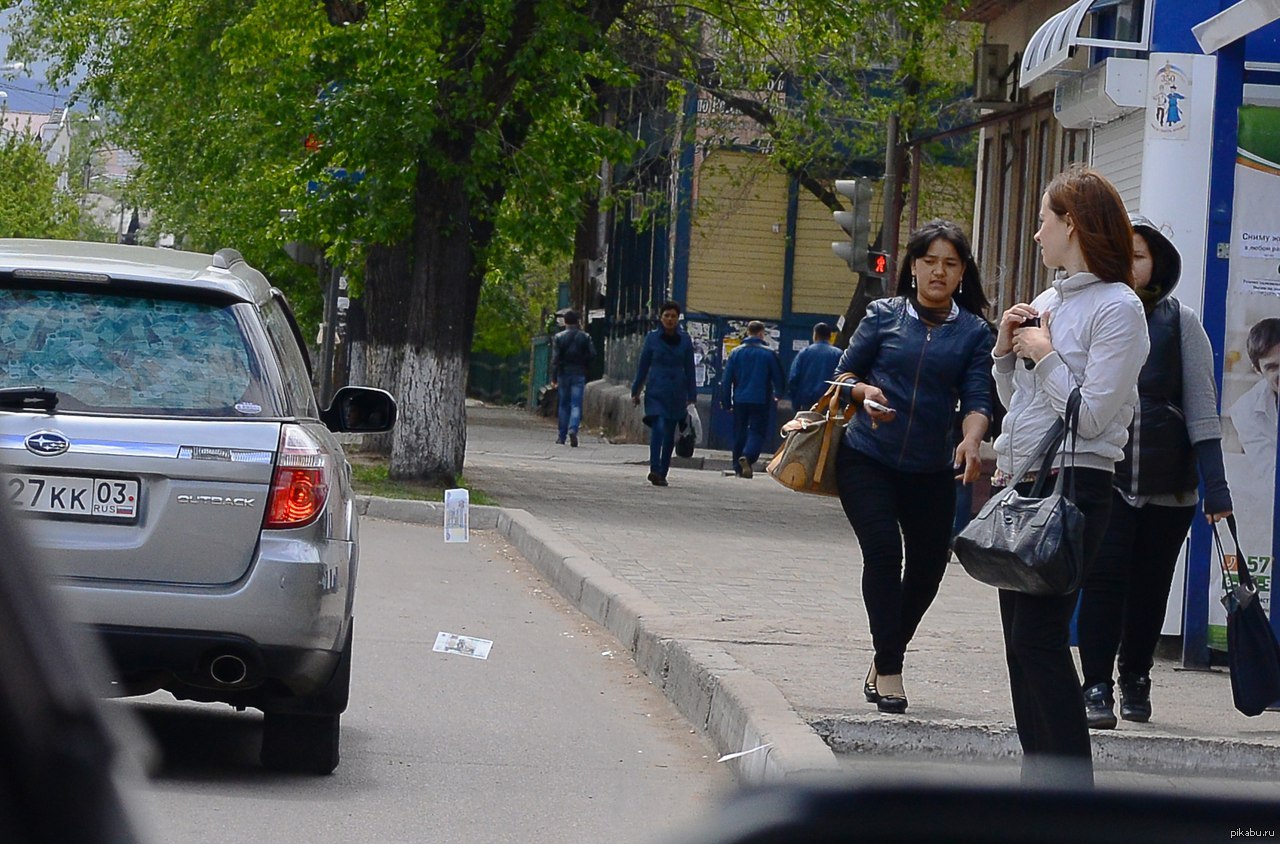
856 222
877 264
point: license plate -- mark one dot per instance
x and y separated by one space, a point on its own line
97 498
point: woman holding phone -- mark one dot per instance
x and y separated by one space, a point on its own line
1091 335
912 358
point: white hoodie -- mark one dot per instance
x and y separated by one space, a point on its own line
1099 334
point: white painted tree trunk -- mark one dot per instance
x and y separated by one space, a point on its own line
438 387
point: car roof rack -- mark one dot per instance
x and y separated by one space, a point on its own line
226 258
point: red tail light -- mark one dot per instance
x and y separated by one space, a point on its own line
301 481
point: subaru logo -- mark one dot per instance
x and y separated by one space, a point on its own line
47 443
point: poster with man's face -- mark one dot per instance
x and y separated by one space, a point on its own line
1251 364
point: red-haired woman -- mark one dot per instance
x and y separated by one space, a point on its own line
1092 334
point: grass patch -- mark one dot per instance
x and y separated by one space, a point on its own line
369 477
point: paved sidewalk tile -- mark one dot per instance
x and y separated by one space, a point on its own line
774 577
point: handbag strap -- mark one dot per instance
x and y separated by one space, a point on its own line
832 412
1242 565
1047 449
1072 432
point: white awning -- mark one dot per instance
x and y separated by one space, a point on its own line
1056 39
1235 23
1053 43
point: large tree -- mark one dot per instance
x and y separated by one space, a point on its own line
409 138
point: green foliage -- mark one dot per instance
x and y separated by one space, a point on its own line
31 204
511 308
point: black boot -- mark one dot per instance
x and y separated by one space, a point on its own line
1099 707
1135 698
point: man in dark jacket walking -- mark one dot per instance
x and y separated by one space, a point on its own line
812 368
571 352
752 381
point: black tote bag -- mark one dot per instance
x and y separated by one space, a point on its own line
1252 652
1031 543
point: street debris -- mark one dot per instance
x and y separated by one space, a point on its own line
729 756
452 643
457 505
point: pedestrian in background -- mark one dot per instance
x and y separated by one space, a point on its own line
751 384
1092 334
812 368
1175 430
666 375
571 353
916 355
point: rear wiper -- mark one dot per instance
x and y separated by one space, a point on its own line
28 398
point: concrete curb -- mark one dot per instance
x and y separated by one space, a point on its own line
739 710
970 741
742 711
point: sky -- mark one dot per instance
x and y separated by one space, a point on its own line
26 90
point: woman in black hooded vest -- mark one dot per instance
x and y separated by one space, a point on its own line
1175 429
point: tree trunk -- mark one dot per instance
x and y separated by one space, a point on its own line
429 442
387 292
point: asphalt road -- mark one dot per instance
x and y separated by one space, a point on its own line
553 738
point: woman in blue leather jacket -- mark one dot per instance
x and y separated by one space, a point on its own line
911 359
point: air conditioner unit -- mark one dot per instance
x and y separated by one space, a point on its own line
1110 89
990 73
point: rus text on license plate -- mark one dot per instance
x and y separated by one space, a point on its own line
99 498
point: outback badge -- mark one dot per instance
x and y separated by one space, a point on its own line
47 443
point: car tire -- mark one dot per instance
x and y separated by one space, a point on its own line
300 744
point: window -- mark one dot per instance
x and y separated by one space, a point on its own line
125 354
297 382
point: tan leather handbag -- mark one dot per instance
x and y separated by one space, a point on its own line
806 460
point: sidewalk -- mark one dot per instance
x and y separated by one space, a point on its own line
742 599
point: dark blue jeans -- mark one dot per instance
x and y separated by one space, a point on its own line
570 391
750 423
662 441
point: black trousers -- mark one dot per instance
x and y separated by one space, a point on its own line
1123 601
1048 704
890 510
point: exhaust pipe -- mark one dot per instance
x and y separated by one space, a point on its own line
228 670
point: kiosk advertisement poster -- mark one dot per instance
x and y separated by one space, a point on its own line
1251 365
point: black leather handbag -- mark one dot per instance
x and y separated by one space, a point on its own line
1252 652
1031 543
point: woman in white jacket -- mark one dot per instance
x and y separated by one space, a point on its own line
1092 334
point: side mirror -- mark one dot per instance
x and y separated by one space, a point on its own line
360 410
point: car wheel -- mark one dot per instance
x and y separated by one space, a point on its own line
300 744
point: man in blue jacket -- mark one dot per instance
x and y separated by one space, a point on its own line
752 382
812 368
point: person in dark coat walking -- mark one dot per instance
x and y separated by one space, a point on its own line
913 362
666 375
752 382
812 368
1175 430
571 353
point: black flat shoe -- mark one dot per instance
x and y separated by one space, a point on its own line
869 686
656 479
894 701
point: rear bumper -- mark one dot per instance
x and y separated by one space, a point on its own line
296 597
183 661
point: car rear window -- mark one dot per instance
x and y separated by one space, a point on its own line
129 354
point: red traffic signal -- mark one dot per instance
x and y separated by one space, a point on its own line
877 263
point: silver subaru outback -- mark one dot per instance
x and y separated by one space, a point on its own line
159 430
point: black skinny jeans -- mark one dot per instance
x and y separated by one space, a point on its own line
1048 704
1123 601
889 509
